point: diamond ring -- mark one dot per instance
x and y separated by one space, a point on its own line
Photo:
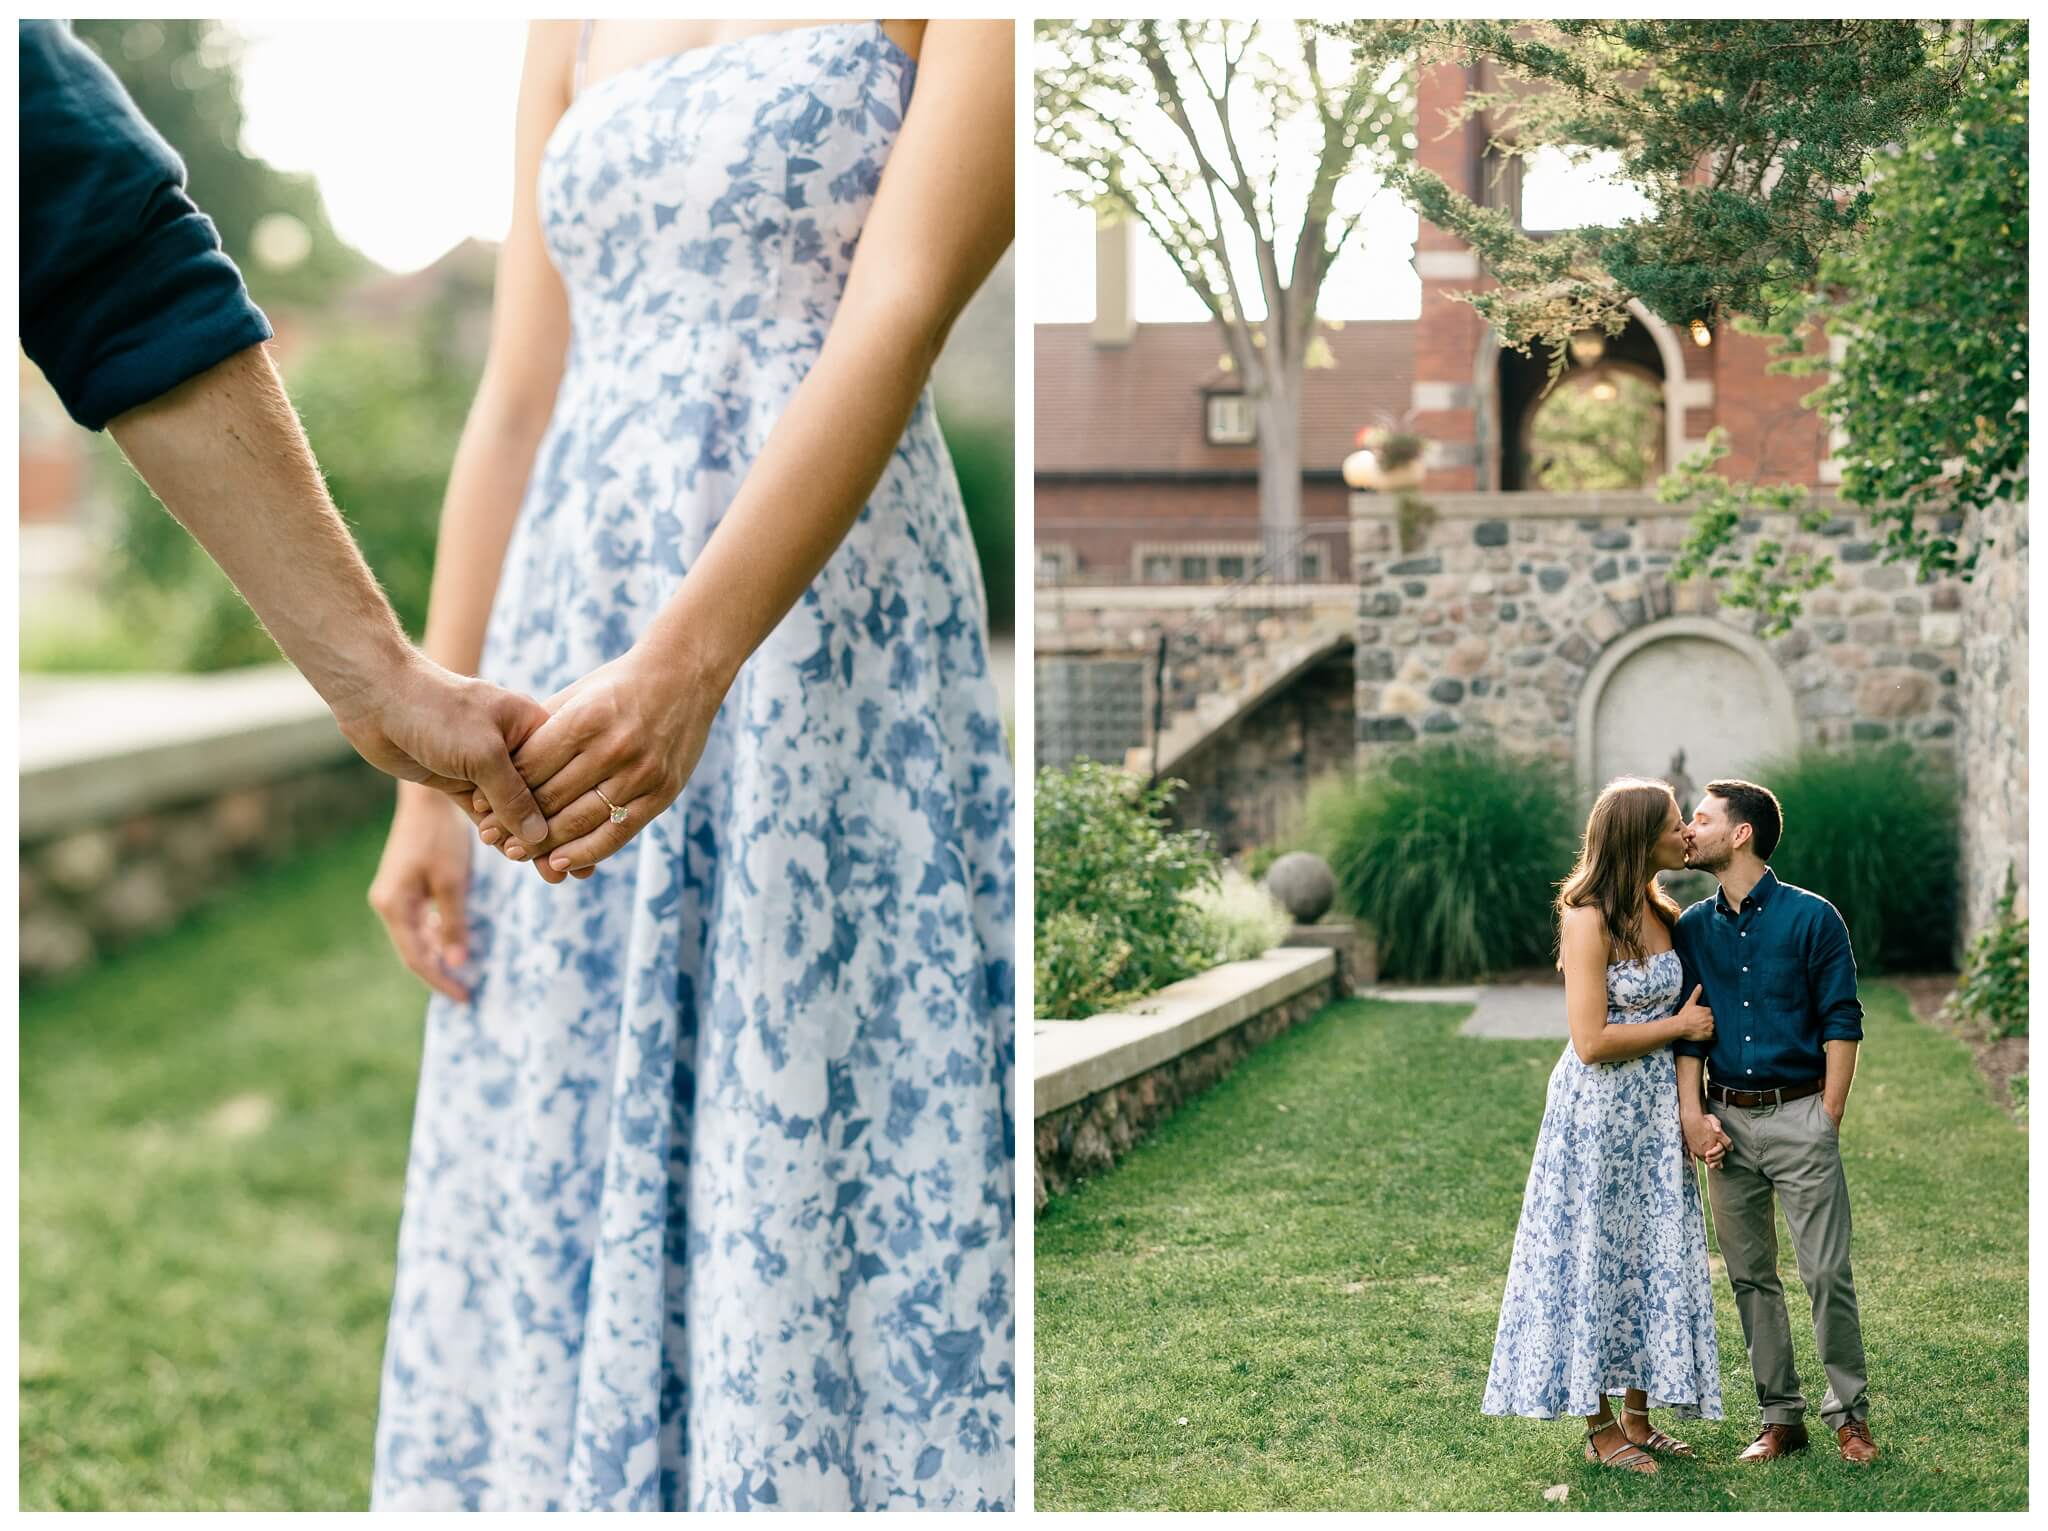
618 813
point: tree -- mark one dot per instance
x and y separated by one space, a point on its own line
1751 141
1931 388
1604 434
1182 125
185 78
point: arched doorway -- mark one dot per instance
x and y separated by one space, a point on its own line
1685 684
1509 390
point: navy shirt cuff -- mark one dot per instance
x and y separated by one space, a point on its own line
169 307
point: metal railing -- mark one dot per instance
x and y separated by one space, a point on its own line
1119 701
1184 551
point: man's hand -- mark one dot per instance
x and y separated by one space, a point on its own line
452 732
1705 1139
631 731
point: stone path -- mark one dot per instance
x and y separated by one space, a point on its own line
1515 1012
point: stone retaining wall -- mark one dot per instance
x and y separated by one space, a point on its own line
1086 1136
1497 611
101 886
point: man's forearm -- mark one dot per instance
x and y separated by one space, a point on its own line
225 453
1689 1095
1841 1073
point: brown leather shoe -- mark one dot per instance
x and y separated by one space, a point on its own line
1775 1441
1855 1442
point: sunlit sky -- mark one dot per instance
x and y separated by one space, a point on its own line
409 130
408 125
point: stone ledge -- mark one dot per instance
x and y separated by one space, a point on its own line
1512 505
96 749
1076 1059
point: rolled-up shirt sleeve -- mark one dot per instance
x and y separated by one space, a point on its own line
125 290
1832 969
1688 975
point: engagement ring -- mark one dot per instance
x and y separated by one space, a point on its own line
618 813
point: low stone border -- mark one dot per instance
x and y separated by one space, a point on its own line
144 795
1101 1084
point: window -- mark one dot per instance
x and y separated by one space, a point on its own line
1230 420
1218 563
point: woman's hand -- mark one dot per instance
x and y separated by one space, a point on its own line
1695 1020
631 730
422 886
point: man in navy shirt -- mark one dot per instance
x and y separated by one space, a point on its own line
1781 981
142 325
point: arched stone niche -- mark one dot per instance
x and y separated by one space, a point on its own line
1689 683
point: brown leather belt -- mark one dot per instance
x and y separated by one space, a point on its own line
1764 1097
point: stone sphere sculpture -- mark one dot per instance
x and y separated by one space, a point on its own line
1304 884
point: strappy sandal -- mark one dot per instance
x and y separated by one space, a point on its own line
1661 1444
1628 1456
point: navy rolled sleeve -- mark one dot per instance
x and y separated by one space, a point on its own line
125 290
1780 979
1688 976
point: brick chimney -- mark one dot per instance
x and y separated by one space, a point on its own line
1116 263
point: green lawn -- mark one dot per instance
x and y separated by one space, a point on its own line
1286 1298
213 1135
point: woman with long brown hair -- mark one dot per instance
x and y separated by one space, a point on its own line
1608 1290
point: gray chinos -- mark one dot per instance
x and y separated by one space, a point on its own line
1790 1151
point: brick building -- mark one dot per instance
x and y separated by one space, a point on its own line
1145 466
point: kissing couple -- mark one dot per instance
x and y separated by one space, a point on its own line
1608 1290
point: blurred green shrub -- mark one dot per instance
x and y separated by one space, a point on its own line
1240 918
1259 859
1993 990
1111 878
984 457
1452 853
1873 831
383 409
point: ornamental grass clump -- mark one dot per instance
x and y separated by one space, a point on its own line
1112 879
1452 853
1873 831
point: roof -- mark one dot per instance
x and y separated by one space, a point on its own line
1138 408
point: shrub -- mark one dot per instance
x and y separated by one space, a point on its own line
1111 877
984 460
1258 860
383 409
1993 990
1452 853
1240 918
1873 831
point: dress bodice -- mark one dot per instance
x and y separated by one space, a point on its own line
1642 989
721 190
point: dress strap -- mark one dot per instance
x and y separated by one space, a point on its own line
582 53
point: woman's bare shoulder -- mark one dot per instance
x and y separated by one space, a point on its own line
1583 927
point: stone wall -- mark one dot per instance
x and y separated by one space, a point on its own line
1499 611
102 886
1994 719
1091 1134
1248 786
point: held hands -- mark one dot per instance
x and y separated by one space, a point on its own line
1705 1139
1695 1020
454 733
630 731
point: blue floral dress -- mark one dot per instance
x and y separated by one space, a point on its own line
1608 1287
710 1202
